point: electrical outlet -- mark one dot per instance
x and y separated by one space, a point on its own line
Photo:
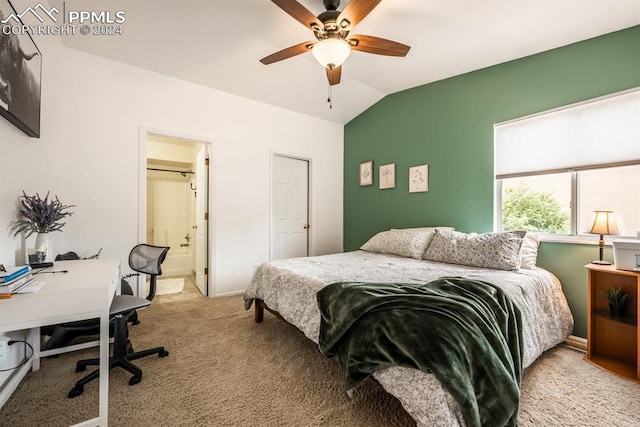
4 348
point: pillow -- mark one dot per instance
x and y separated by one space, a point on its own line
529 251
423 229
499 251
400 243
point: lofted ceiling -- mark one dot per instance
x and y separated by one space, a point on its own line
218 43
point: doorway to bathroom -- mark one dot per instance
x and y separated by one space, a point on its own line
177 200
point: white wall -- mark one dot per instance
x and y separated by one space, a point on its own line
92 110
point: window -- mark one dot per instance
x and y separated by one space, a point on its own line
543 203
537 203
555 168
617 189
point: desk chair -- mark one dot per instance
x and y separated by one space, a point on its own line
145 259
62 334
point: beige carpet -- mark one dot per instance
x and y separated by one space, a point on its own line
225 370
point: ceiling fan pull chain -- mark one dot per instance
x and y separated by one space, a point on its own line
329 99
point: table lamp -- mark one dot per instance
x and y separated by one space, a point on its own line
602 222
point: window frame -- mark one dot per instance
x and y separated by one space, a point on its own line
576 236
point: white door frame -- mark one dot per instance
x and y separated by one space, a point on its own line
311 231
144 133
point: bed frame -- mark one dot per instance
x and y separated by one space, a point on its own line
260 307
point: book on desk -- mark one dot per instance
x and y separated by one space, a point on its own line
14 279
13 273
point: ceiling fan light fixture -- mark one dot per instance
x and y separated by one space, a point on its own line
331 52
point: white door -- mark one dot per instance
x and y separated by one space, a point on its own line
201 227
290 209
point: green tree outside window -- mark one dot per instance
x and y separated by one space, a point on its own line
529 210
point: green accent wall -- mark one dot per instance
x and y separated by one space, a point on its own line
448 125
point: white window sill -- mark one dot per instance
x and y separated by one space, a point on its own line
581 239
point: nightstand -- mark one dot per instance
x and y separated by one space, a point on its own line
613 343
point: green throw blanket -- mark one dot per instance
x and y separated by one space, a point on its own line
468 333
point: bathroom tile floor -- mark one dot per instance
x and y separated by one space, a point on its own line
190 291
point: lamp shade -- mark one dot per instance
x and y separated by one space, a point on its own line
331 52
602 222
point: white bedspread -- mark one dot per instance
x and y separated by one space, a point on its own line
290 286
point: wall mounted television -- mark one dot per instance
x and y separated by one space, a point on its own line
20 73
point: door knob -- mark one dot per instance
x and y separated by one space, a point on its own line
306 226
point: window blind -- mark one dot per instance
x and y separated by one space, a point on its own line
601 131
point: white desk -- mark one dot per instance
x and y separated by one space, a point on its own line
85 292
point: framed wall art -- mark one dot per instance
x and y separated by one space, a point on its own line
365 172
387 177
419 179
20 73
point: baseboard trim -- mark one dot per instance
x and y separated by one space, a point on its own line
576 342
226 294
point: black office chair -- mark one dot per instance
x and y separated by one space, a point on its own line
62 334
145 259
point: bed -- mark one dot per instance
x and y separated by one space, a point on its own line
288 288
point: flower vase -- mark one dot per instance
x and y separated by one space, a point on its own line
42 248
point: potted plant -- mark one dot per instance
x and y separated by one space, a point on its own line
40 216
618 301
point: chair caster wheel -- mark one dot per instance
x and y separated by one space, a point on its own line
76 391
80 368
163 354
135 380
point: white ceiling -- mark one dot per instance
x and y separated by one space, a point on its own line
218 43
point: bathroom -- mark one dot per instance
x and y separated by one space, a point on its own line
171 203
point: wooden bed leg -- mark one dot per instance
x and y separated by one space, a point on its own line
260 307
259 311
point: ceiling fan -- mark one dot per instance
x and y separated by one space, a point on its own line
331 29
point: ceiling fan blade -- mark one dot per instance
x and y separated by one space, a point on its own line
300 13
334 74
377 45
287 53
354 12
